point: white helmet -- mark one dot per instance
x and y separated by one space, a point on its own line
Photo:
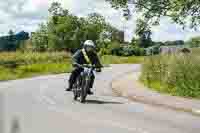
89 43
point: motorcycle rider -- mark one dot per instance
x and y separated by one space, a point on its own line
87 55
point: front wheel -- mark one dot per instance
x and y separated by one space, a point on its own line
75 93
76 89
83 95
75 96
84 92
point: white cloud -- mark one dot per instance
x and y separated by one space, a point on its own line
169 31
22 15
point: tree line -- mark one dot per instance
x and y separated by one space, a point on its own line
65 31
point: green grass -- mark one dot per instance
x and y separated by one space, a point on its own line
109 59
157 86
20 58
16 65
196 51
173 74
32 70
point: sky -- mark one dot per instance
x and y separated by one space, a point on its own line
27 14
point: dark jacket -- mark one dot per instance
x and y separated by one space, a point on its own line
79 58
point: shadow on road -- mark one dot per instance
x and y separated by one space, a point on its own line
101 102
15 126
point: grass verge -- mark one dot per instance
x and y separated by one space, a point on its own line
176 75
17 65
32 70
109 59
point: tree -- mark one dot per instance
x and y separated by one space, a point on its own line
180 11
179 42
67 33
194 42
95 18
11 34
96 24
40 39
134 42
174 43
11 42
144 32
64 31
56 10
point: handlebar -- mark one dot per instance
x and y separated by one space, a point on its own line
88 66
84 65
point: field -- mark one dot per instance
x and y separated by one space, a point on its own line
15 65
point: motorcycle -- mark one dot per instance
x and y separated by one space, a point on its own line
82 84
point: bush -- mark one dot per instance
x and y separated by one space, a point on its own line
128 51
153 50
139 51
117 51
174 74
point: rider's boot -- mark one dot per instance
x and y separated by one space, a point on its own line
90 92
69 88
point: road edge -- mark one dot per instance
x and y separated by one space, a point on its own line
122 91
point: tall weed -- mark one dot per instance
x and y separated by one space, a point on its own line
177 74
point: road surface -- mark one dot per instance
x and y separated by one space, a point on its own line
40 105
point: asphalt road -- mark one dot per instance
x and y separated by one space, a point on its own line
40 105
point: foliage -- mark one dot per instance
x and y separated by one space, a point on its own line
14 65
153 50
40 39
194 42
180 11
144 32
174 43
14 59
173 74
64 31
31 70
117 49
108 59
